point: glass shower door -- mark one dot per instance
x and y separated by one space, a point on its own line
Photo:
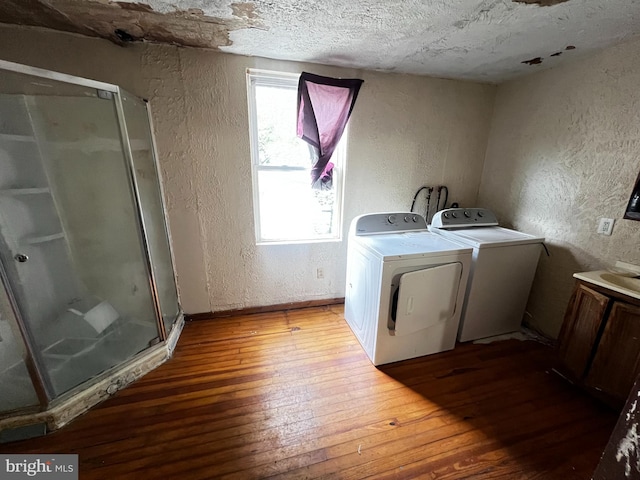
141 141
69 230
17 389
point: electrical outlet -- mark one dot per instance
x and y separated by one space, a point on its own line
319 273
605 227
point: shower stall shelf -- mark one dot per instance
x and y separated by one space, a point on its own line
88 301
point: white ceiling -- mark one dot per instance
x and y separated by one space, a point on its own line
480 40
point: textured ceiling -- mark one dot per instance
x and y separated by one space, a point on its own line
482 40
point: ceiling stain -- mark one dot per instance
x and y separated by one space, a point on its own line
541 3
125 36
533 61
165 34
39 14
123 22
195 12
138 7
480 40
244 10
538 60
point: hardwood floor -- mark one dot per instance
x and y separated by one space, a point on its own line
292 395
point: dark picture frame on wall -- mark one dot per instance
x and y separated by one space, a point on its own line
633 207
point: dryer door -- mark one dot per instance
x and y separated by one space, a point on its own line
426 297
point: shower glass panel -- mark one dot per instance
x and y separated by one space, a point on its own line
69 230
13 367
141 141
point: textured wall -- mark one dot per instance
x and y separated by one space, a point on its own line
405 131
564 151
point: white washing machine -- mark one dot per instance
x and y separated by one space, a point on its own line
405 287
504 264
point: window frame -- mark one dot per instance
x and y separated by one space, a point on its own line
256 77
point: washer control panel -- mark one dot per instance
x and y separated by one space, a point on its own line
464 217
372 223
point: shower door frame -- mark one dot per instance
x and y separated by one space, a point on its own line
33 362
165 221
39 379
133 185
165 225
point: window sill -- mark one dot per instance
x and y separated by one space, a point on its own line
297 242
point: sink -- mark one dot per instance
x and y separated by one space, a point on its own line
622 278
622 281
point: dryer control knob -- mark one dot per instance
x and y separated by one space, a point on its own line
480 214
467 214
391 219
453 214
407 218
414 218
446 215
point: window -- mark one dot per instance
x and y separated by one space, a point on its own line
286 208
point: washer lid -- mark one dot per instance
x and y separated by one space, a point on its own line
410 244
482 237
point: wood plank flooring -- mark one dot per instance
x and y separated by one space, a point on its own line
292 395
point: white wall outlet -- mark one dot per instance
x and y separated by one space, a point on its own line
319 273
605 227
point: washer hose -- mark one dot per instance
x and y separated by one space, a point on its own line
424 187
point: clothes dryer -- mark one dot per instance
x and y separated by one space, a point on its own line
404 288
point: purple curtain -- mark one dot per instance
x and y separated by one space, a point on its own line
324 107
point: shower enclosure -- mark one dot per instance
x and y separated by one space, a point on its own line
85 261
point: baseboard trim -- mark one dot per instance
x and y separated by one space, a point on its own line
266 309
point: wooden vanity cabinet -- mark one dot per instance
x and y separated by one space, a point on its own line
599 344
580 330
616 362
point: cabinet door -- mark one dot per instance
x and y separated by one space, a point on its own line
580 329
617 360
